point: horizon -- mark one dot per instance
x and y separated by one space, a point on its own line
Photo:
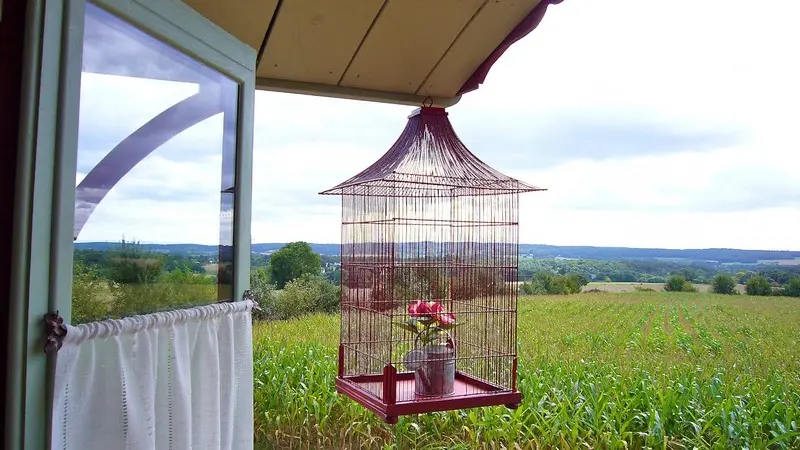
521 243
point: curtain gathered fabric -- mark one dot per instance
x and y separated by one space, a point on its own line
169 380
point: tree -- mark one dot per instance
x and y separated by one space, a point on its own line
678 283
292 261
575 282
129 263
792 288
723 284
758 285
544 282
689 273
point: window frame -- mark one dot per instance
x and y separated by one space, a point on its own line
45 195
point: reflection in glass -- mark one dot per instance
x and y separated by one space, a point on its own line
156 166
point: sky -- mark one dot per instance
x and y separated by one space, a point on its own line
667 124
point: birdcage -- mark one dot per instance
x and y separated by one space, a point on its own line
429 259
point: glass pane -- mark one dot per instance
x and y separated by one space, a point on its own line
155 176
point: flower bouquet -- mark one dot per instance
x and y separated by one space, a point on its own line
433 358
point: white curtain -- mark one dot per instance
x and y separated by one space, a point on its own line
173 380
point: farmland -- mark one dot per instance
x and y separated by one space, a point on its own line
610 370
632 287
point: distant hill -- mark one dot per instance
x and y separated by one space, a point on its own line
718 255
688 256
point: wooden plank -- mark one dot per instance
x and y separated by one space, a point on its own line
247 20
313 41
489 28
334 91
406 42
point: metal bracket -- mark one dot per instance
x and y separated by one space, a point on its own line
55 332
248 295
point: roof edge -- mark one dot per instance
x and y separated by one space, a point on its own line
333 91
528 24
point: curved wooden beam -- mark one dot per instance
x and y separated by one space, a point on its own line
138 145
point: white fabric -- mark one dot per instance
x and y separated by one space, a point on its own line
174 380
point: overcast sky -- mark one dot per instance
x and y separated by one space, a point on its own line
652 123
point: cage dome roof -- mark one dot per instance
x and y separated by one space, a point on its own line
429 160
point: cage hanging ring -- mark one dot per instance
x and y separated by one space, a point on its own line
428 102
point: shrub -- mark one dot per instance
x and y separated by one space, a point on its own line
303 295
548 283
297 298
758 285
643 289
91 295
263 292
129 263
327 294
144 298
543 283
527 288
576 282
185 275
678 283
723 284
792 288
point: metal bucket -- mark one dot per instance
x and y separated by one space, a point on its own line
434 368
437 375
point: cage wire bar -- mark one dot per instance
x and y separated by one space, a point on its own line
429 242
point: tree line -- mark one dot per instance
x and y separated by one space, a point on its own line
756 284
129 278
650 271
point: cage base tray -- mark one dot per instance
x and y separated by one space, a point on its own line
470 392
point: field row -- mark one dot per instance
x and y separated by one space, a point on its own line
607 370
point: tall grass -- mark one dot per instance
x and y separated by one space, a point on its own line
97 298
600 370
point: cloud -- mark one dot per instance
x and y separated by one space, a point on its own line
657 124
112 46
547 140
726 180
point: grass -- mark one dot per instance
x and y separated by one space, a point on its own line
608 370
98 299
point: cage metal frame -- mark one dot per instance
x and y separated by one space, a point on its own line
429 222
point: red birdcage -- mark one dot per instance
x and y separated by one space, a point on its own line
429 262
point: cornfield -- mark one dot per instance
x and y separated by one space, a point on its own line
622 370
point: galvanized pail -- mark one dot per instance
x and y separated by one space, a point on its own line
434 369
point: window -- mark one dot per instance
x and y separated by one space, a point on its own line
156 176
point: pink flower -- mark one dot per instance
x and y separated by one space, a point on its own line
417 309
446 318
434 307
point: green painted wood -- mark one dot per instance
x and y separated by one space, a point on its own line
29 402
244 188
18 298
67 159
178 25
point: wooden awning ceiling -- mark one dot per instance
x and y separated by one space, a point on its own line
397 51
